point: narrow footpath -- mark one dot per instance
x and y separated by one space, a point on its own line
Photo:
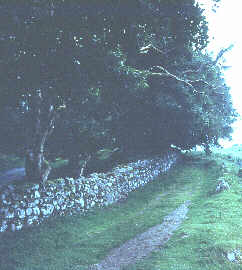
145 243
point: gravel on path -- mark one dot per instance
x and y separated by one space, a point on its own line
143 244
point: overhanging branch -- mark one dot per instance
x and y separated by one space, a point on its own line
221 53
166 73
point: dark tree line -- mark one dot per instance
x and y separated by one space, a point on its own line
77 77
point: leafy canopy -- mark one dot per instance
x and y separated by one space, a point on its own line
140 64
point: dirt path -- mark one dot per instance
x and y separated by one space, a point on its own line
142 245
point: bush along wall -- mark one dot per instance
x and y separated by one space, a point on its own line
25 206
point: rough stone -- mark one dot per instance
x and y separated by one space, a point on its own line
69 195
4 226
29 211
240 173
9 215
36 210
222 185
18 226
36 194
21 213
231 256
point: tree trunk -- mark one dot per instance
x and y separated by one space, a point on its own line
73 165
75 169
84 165
208 150
36 167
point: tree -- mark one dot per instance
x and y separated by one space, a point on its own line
180 95
186 107
131 57
42 73
52 58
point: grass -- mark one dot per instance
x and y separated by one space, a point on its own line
233 153
213 227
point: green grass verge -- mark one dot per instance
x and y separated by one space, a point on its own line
213 226
233 153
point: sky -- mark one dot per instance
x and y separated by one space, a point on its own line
224 30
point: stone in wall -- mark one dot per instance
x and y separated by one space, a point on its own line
26 206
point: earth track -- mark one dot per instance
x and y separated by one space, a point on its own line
143 244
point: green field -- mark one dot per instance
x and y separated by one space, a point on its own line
212 230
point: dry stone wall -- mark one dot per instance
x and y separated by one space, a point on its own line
25 206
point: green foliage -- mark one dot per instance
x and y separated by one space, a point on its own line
127 74
106 153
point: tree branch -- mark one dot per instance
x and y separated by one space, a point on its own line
146 49
192 70
222 52
202 81
166 73
189 83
